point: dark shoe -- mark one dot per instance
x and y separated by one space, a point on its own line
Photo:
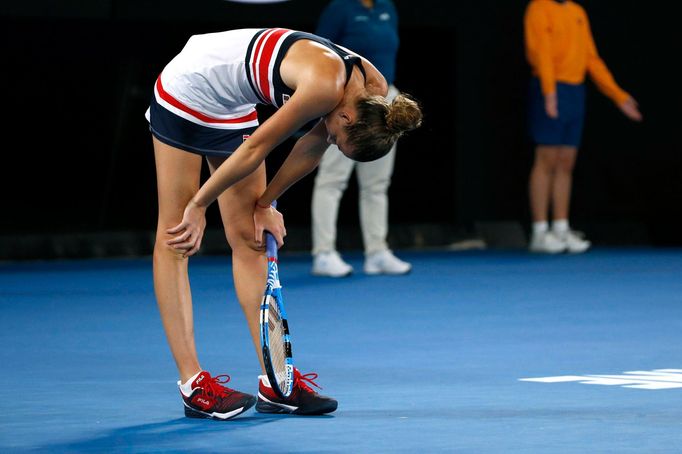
210 399
302 401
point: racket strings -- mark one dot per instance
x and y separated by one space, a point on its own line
278 354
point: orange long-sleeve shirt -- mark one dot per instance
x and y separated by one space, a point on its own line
560 48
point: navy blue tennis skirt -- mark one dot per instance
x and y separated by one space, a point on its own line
185 135
565 130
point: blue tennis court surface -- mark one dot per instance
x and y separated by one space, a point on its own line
429 362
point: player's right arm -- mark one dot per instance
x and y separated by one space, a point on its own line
538 36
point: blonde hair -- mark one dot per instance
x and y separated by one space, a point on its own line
380 124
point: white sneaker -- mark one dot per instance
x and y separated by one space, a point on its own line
330 264
575 242
547 242
384 262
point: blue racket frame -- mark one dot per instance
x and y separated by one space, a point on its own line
273 290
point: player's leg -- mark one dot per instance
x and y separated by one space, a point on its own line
572 98
540 187
250 273
249 265
178 175
563 180
547 134
561 200
541 181
331 181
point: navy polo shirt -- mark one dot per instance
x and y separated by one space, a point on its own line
372 33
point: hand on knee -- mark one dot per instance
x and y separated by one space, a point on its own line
161 247
243 241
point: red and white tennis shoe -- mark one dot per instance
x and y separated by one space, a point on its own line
206 397
302 401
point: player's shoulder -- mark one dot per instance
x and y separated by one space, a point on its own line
577 8
323 75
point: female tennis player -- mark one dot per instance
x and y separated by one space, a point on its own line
204 105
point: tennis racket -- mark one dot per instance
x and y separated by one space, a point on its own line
274 329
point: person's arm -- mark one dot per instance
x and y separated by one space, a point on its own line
309 101
303 159
599 73
605 81
331 22
538 35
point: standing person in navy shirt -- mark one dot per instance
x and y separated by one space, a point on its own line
370 27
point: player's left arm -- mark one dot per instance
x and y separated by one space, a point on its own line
303 159
605 81
599 72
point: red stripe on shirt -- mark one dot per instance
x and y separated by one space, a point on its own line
203 117
264 63
254 56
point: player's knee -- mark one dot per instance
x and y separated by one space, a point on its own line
376 187
242 240
565 164
163 249
547 162
335 185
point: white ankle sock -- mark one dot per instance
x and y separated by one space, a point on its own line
560 226
265 380
540 227
186 387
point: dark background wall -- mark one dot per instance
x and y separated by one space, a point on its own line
77 156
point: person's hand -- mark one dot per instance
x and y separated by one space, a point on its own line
630 109
190 230
551 106
271 220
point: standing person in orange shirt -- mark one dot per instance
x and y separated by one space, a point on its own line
560 50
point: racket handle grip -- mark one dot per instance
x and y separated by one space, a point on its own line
270 241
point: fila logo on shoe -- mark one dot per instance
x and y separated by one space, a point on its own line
198 380
203 401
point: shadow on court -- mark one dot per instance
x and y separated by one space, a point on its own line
163 436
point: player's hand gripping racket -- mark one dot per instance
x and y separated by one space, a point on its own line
274 330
